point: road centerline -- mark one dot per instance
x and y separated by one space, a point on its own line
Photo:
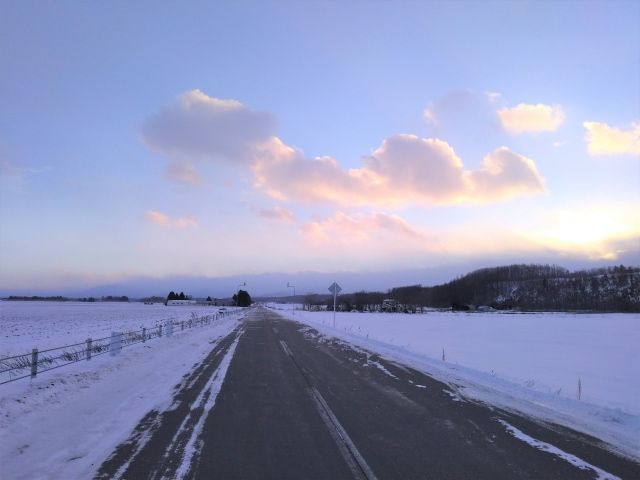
352 456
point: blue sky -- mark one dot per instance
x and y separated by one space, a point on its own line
191 138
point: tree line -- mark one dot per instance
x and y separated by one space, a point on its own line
519 286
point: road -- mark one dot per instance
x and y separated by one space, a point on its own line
274 400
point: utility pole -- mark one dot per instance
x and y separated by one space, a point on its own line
293 305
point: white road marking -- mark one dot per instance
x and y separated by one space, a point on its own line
346 446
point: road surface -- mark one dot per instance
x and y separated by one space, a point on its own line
274 400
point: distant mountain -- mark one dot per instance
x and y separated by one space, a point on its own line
258 285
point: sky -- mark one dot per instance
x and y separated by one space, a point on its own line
211 139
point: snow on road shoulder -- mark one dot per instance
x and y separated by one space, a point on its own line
63 424
389 335
211 390
568 457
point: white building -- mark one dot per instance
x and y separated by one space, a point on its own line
175 303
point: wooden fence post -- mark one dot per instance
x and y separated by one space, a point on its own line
88 349
34 362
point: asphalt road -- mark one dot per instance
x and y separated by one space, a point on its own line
274 400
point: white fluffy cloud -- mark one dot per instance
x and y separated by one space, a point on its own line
505 174
605 140
531 118
404 170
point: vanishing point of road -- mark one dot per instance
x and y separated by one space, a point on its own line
275 400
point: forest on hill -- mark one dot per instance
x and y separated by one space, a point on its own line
524 287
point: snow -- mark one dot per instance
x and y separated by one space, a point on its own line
27 325
207 400
530 363
65 422
547 447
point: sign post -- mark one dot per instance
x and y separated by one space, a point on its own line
335 289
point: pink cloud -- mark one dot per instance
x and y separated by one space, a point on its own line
505 174
343 228
404 170
159 218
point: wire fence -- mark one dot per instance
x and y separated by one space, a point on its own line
29 365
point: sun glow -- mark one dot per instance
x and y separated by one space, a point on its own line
595 233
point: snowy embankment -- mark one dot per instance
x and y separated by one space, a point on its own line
526 362
64 423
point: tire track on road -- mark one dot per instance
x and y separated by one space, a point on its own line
157 444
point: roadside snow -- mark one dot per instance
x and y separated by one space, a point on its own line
547 447
27 325
64 423
529 363
206 400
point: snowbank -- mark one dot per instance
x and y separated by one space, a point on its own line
64 423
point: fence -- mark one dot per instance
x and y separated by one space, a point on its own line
17 367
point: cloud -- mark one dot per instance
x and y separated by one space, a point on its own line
531 118
454 102
183 172
505 174
493 97
164 220
276 213
343 228
605 140
404 170
200 128
284 173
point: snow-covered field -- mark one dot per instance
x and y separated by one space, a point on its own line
65 422
530 362
28 325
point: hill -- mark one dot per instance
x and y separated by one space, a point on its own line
534 287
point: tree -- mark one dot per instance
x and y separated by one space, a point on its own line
243 299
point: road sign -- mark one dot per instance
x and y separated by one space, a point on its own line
335 289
